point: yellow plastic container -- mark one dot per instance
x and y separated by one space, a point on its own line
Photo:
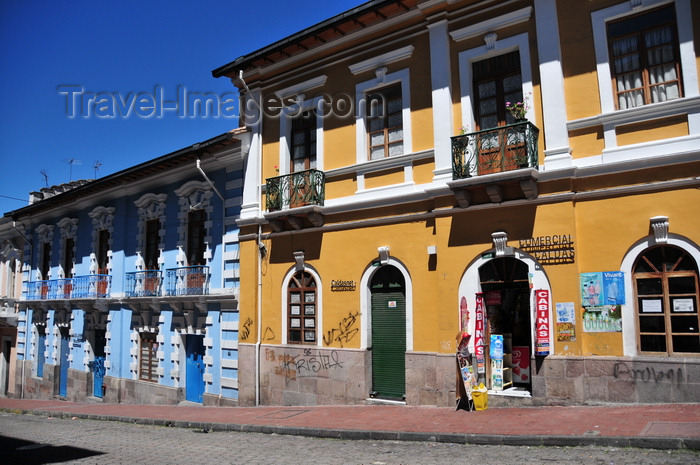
480 397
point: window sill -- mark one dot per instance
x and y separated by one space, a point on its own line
638 114
382 164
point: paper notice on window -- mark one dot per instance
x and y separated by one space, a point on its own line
683 305
652 306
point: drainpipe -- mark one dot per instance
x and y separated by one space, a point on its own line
261 248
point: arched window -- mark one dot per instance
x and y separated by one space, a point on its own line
301 304
666 289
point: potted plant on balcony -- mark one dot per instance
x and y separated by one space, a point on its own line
519 109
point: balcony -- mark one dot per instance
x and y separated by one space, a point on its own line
94 286
188 280
144 283
495 165
294 200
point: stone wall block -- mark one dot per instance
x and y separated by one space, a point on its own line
575 368
560 388
599 367
554 368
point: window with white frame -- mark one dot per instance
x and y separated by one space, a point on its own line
150 239
383 117
644 58
385 122
303 143
677 14
302 300
45 238
666 288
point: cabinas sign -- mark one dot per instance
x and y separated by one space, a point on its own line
550 250
542 322
479 334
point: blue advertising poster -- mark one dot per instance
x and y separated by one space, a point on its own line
614 287
602 288
591 289
496 349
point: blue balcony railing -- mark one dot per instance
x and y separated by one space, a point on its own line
295 190
94 286
144 283
39 290
504 148
188 280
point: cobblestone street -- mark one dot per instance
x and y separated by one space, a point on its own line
29 439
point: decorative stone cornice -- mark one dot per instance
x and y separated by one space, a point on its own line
659 226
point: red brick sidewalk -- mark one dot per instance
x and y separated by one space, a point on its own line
663 426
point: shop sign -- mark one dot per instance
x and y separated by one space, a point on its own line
340 286
557 249
479 334
542 321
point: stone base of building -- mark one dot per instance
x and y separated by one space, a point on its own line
80 388
298 375
588 380
292 375
128 391
211 400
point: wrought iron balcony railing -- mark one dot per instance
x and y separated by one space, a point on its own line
296 190
504 148
188 280
94 286
144 283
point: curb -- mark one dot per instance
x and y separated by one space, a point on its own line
651 442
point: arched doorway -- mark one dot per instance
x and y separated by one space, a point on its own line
666 289
505 285
388 308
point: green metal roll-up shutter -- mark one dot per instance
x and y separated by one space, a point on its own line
389 344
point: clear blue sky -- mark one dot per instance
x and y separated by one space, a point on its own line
120 48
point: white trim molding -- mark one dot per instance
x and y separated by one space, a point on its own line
382 60
510 19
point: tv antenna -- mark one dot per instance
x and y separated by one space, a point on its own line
71 162
45 174
96 166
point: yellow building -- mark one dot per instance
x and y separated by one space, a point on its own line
416 166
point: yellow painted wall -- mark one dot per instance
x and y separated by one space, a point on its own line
648 131
608 228
423 171
248 319
586 142
384 178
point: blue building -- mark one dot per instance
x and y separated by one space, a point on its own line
130 282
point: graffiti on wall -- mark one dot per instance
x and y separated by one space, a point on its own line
245 332
309 363
268 335
344 331
648 374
